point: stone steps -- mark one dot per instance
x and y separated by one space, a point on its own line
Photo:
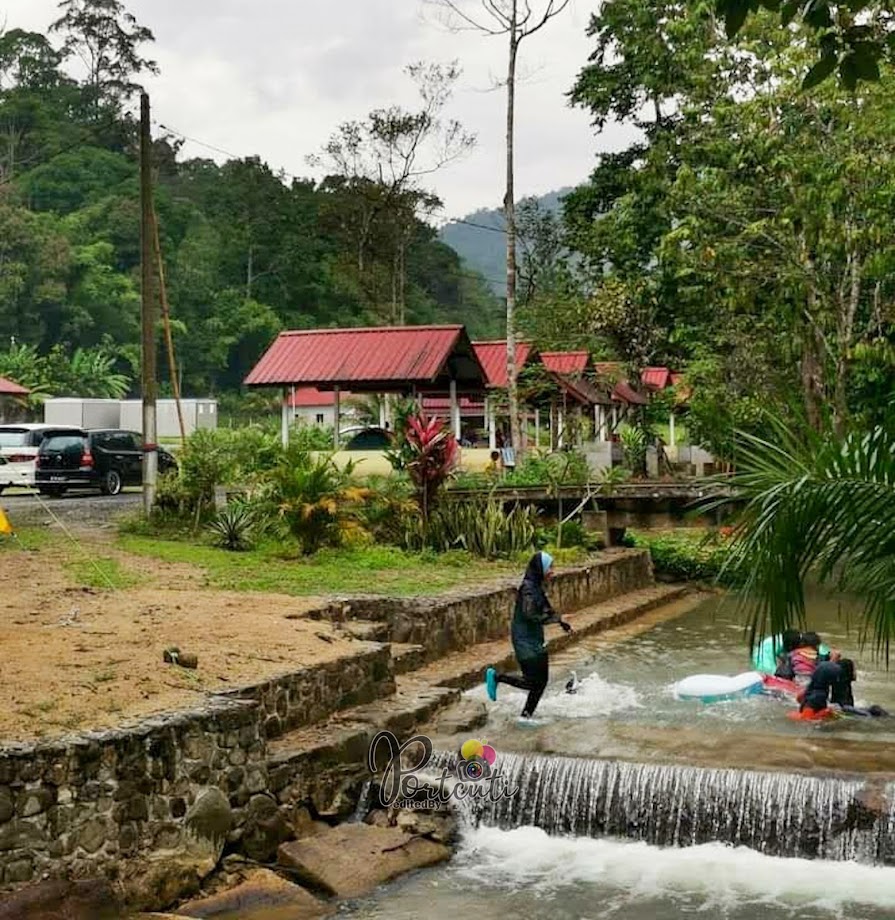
407 657
422 692
467 668
412 704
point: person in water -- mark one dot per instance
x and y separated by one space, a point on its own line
802 661
831 686
532 612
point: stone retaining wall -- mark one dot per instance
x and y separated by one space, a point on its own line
311 694
466 617
77 806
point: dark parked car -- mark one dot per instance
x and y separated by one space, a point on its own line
106 459
367 439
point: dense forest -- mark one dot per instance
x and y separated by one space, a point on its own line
248 251
745 238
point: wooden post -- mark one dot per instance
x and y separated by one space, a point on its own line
147 313
336 418
166 321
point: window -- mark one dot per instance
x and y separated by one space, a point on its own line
14 437
319 418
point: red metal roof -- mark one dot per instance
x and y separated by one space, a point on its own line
9 388
493 358
368 357
565 362
656 378
624 392
311 397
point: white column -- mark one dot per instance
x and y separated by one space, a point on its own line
537 428
671 439
284 419
491 411
293 404
337 411
455 410
614 417
560 424
383 418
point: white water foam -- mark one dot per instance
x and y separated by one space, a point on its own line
595 697
722 877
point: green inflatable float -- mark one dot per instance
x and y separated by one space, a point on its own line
764 656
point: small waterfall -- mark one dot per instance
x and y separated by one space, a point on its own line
779 814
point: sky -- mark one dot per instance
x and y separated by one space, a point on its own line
276 77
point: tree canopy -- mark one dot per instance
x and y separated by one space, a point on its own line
248 250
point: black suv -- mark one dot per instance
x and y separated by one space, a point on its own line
104 459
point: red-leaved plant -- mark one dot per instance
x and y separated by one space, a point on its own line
431 453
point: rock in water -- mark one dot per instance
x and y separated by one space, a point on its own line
351 860
262 896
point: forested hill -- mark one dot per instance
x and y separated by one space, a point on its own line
247 251
480 241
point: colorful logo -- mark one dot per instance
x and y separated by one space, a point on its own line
477 760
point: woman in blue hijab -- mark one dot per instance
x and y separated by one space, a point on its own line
532 612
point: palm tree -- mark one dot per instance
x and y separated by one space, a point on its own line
819 507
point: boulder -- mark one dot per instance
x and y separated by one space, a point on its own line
351 860
265 829
435 825
93 899
209 821
262 896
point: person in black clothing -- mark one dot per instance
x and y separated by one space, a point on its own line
831 684
532 612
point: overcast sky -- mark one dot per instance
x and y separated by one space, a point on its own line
275 77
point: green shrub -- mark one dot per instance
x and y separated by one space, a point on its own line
315 501
234 527
387 508
483 528
688 557
560 469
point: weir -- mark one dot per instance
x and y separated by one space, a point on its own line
779 814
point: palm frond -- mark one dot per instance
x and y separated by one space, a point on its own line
817 508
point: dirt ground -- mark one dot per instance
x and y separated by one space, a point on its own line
76 658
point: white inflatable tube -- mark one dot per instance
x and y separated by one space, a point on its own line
714 688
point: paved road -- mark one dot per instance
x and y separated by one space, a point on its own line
77 508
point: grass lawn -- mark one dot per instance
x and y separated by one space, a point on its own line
369 570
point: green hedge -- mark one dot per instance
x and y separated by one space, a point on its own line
688 556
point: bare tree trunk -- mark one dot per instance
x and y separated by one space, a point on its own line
848 311
509 204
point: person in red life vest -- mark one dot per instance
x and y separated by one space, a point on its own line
802 661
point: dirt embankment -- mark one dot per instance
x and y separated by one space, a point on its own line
76 658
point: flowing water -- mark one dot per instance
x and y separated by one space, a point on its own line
625 706
661 813
664 838
525 873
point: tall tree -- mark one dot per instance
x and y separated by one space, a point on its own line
514 20
106 38
382 162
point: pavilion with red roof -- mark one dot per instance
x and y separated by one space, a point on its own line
405 360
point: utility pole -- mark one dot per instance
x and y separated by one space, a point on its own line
147 314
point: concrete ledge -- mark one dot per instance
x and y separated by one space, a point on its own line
468 617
